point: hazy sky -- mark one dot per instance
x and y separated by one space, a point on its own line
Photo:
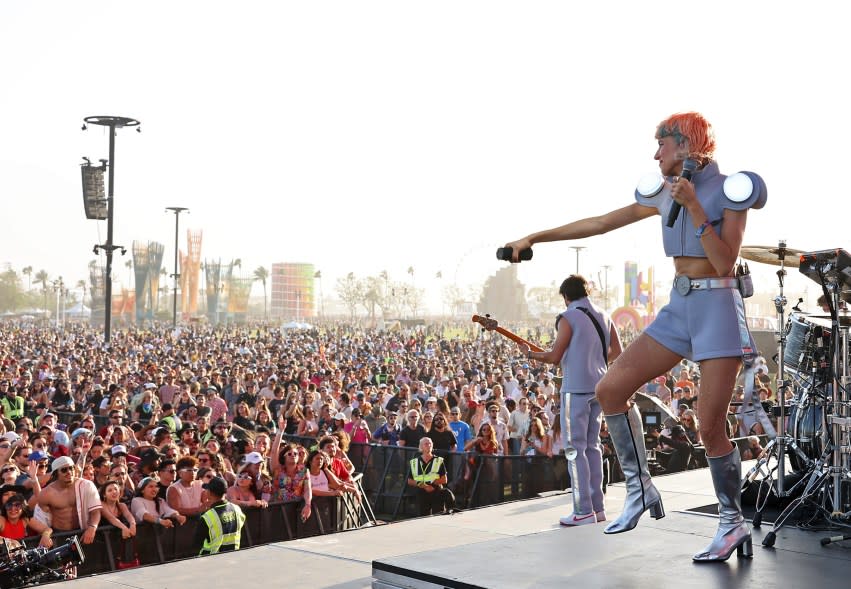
370 136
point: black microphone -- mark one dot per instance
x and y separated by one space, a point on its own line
505 253
830 539
689 166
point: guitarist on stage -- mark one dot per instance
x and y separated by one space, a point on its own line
585 343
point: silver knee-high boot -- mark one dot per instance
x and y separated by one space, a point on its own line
733 533
641 495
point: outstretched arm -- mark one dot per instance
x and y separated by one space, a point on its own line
585 227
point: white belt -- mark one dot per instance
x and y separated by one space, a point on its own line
684 284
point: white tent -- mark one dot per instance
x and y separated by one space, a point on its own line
78 310
296 325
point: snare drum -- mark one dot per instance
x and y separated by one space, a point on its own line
806 344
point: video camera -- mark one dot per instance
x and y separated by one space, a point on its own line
22 567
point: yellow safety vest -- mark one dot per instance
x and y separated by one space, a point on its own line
231 518
11 411
431 473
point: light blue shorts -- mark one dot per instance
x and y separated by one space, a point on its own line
700 325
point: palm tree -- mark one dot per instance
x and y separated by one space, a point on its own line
81 284
42 277
262 274
29 272
129 265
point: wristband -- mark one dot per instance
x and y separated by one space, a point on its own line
704 226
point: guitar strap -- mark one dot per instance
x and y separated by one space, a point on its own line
599 332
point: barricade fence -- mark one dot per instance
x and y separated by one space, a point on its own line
476 480
154 544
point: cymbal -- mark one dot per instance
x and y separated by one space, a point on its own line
771 255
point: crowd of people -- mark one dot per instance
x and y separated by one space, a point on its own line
132 433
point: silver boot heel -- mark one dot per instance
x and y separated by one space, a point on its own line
641 494
733 533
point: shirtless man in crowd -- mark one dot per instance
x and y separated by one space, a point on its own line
59 498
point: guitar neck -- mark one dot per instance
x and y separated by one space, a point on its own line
517 339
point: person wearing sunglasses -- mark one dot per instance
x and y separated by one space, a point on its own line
244 491
73 502
184 495
16 526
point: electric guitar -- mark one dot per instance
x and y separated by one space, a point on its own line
491 325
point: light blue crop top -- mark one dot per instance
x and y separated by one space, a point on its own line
715 191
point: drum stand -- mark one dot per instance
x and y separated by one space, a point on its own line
776 448
828 472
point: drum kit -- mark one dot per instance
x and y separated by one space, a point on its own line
813 364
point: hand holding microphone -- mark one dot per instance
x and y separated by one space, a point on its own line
689 166
514 252
506 254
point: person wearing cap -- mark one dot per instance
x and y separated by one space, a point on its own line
387 434
81 437
220 527
148 464
339 422
461 429
586 342
246 491
11 402
220 432
73 502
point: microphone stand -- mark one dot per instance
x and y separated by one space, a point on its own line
777 446
779 305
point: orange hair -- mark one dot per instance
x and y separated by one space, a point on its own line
691 130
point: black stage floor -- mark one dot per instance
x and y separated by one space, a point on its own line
516 545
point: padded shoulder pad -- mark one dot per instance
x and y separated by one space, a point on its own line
650 189
744 190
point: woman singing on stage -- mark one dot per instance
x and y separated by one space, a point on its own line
703 220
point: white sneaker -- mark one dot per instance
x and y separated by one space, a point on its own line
601 516
575 519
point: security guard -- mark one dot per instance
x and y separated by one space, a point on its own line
13 404
428 475
222 523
